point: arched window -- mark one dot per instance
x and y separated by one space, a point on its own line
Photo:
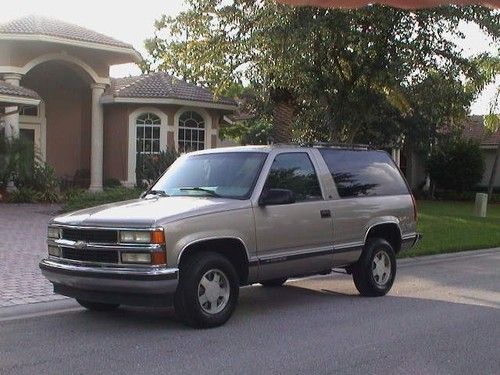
148 134
191 132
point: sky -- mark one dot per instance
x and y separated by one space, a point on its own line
133 22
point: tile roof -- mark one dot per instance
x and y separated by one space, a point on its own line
7 89
39 25
161 85
473 128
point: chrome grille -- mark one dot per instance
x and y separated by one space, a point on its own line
86 255
90 235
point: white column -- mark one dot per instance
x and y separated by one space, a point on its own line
12 121
396 156
97 142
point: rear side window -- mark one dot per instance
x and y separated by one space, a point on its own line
364 173
295 172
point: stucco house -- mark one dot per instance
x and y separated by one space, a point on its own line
56 90
413 165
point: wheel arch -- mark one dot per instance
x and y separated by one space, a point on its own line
233 248
387 230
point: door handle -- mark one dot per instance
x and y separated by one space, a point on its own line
325 214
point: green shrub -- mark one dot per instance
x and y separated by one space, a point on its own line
17 158
456 165
35 180
150 167
79 199
24 195
111 183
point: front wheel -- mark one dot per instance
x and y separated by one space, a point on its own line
97 306
208 290
375 271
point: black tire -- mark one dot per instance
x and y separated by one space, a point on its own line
366 282
274 282
186 302
97 306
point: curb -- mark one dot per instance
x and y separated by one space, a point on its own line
447 256
33 310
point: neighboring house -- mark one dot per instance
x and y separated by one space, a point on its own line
87 120
413 165
474 129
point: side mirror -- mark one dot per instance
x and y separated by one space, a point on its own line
276 196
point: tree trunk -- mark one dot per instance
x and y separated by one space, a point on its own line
493 172
283 116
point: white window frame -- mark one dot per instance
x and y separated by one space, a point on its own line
209 131
132 141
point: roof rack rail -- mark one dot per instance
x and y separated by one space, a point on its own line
339 145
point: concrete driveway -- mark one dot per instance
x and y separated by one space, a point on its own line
23 232
441 317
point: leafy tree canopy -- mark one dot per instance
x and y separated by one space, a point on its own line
347 71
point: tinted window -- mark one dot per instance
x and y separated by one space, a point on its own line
364 173
294 171
227 174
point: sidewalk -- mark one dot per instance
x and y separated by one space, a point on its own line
23 232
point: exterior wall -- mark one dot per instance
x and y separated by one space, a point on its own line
67 109
414 169
489 158
115 142
117 118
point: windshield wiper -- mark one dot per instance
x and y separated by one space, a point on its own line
160 193
208 191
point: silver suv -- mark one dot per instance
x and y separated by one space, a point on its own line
223 218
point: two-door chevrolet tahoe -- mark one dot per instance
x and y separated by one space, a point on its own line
223 218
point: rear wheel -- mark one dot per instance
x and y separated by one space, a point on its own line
208 290
375 271
97 306
274 282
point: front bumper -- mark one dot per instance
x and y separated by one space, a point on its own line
132 285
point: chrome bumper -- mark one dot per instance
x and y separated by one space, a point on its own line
139 280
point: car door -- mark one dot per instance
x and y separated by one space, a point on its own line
294 238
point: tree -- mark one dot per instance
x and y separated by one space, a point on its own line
456 165
333 68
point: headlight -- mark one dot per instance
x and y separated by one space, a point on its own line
53 232
136 258
55 251
152 237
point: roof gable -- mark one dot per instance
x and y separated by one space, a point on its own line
473 128
161 85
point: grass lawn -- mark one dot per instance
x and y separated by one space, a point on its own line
451 226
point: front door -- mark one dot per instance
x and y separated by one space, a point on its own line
296 238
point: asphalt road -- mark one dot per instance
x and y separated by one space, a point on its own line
442 317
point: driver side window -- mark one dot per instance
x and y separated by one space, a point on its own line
295 172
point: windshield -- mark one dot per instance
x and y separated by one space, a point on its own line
226 175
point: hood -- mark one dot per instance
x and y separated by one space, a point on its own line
144 213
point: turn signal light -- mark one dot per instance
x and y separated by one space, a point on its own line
158 237
158 258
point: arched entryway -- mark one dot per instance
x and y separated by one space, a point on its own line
62 125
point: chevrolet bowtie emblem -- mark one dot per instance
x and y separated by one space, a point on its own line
80 244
